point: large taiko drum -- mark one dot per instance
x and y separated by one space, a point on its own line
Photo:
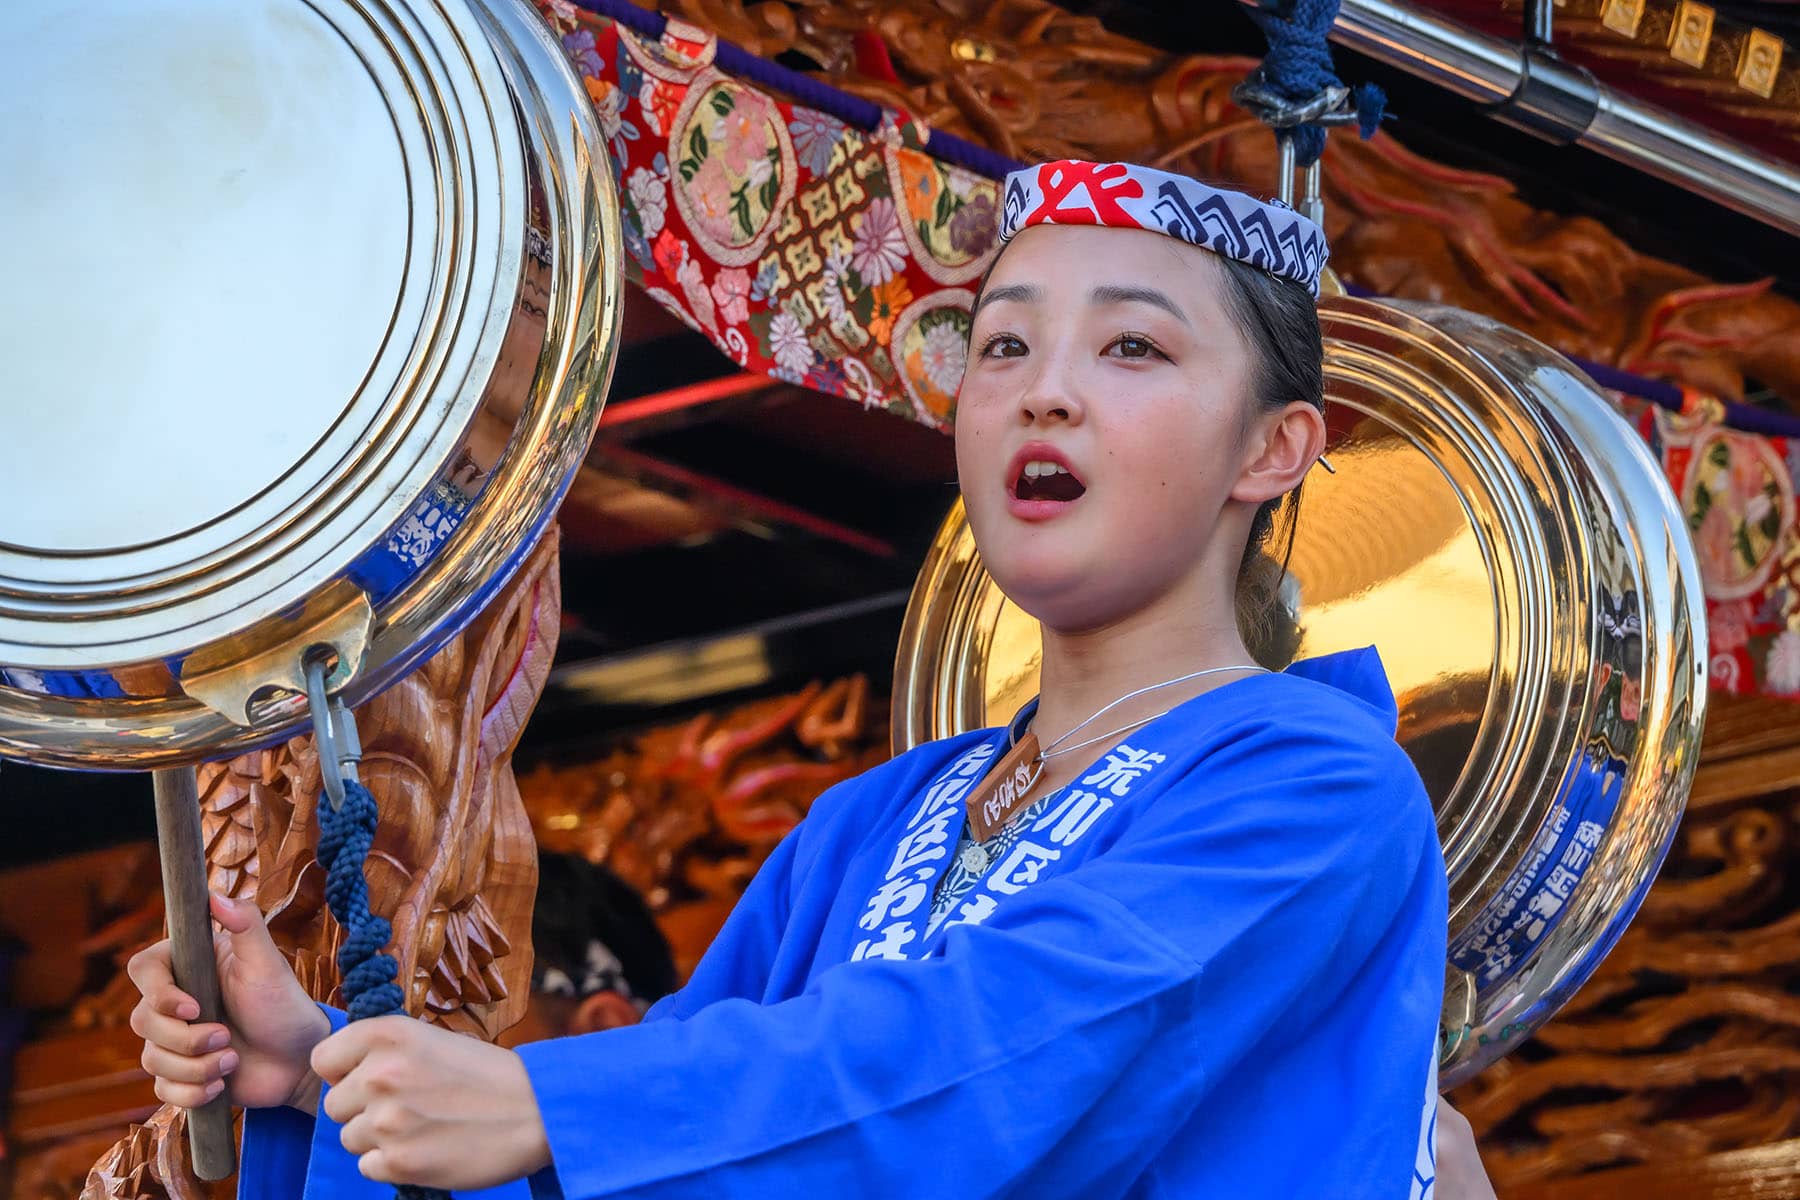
307 319
1509 545
307 316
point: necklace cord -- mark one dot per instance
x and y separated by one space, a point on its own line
1052 751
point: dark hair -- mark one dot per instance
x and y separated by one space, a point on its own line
580 902
1279 322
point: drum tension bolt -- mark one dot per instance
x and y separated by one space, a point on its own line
334 729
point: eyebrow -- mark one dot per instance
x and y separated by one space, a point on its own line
1105 294
1023 293
1110 294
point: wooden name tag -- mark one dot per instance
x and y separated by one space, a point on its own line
1003 790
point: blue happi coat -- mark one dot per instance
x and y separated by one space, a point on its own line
1211 968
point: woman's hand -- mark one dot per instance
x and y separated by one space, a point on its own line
426 1106
271 1024
1460 1175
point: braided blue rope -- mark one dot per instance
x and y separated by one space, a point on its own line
369 972
1298 67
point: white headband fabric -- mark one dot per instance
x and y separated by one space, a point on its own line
1264 233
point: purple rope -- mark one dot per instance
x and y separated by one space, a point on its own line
866 115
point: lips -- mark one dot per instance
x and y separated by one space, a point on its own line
1043 482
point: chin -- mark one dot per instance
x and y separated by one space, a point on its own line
1034 574
1063 597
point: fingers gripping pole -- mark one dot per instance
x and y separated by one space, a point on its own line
347 821
210 1142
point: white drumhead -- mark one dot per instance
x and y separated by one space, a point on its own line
267 254
205 274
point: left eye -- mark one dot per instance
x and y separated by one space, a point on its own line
1132 346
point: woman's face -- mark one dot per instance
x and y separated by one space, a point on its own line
1105 440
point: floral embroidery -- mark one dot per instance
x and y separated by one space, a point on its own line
730 147
880 246
1739 504
854 279
1729 625
787 341
972 225
649 194
1739 495
1783 671
699 297
944 356
731 292
829 377
834 288
670 253
767 276
638 248
930 346
580 49
887 301
816 137
659 104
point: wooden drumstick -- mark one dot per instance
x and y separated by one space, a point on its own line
210 1141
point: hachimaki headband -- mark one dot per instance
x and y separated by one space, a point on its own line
1264 233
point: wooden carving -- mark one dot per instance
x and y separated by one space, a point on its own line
687 813
453 865
1034 81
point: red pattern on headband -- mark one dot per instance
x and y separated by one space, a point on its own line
1104 185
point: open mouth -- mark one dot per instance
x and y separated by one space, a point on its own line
1041 479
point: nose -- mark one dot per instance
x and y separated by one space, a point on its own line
1051 398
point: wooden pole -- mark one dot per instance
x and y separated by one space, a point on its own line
210 1141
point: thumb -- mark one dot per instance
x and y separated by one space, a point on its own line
250 940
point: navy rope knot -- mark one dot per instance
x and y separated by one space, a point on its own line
1298 70
345 835
369 972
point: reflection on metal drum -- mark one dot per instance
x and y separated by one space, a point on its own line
1510 547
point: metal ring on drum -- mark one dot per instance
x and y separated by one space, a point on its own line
1508 544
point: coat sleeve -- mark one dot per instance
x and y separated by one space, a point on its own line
736 964
292 1156
1240 902
287 1155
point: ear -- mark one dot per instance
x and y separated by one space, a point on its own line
602 1010
1279 450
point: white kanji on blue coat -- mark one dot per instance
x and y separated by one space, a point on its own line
975 911
896 898
1022 867
1074 816
924 844
891 944
949 791
1122 768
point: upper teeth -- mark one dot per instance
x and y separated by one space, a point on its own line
1036 468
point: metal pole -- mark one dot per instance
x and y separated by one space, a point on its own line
1490 71
178 839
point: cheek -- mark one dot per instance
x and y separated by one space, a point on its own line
1165 470
977 441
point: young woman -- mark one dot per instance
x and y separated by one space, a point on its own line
1177 931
